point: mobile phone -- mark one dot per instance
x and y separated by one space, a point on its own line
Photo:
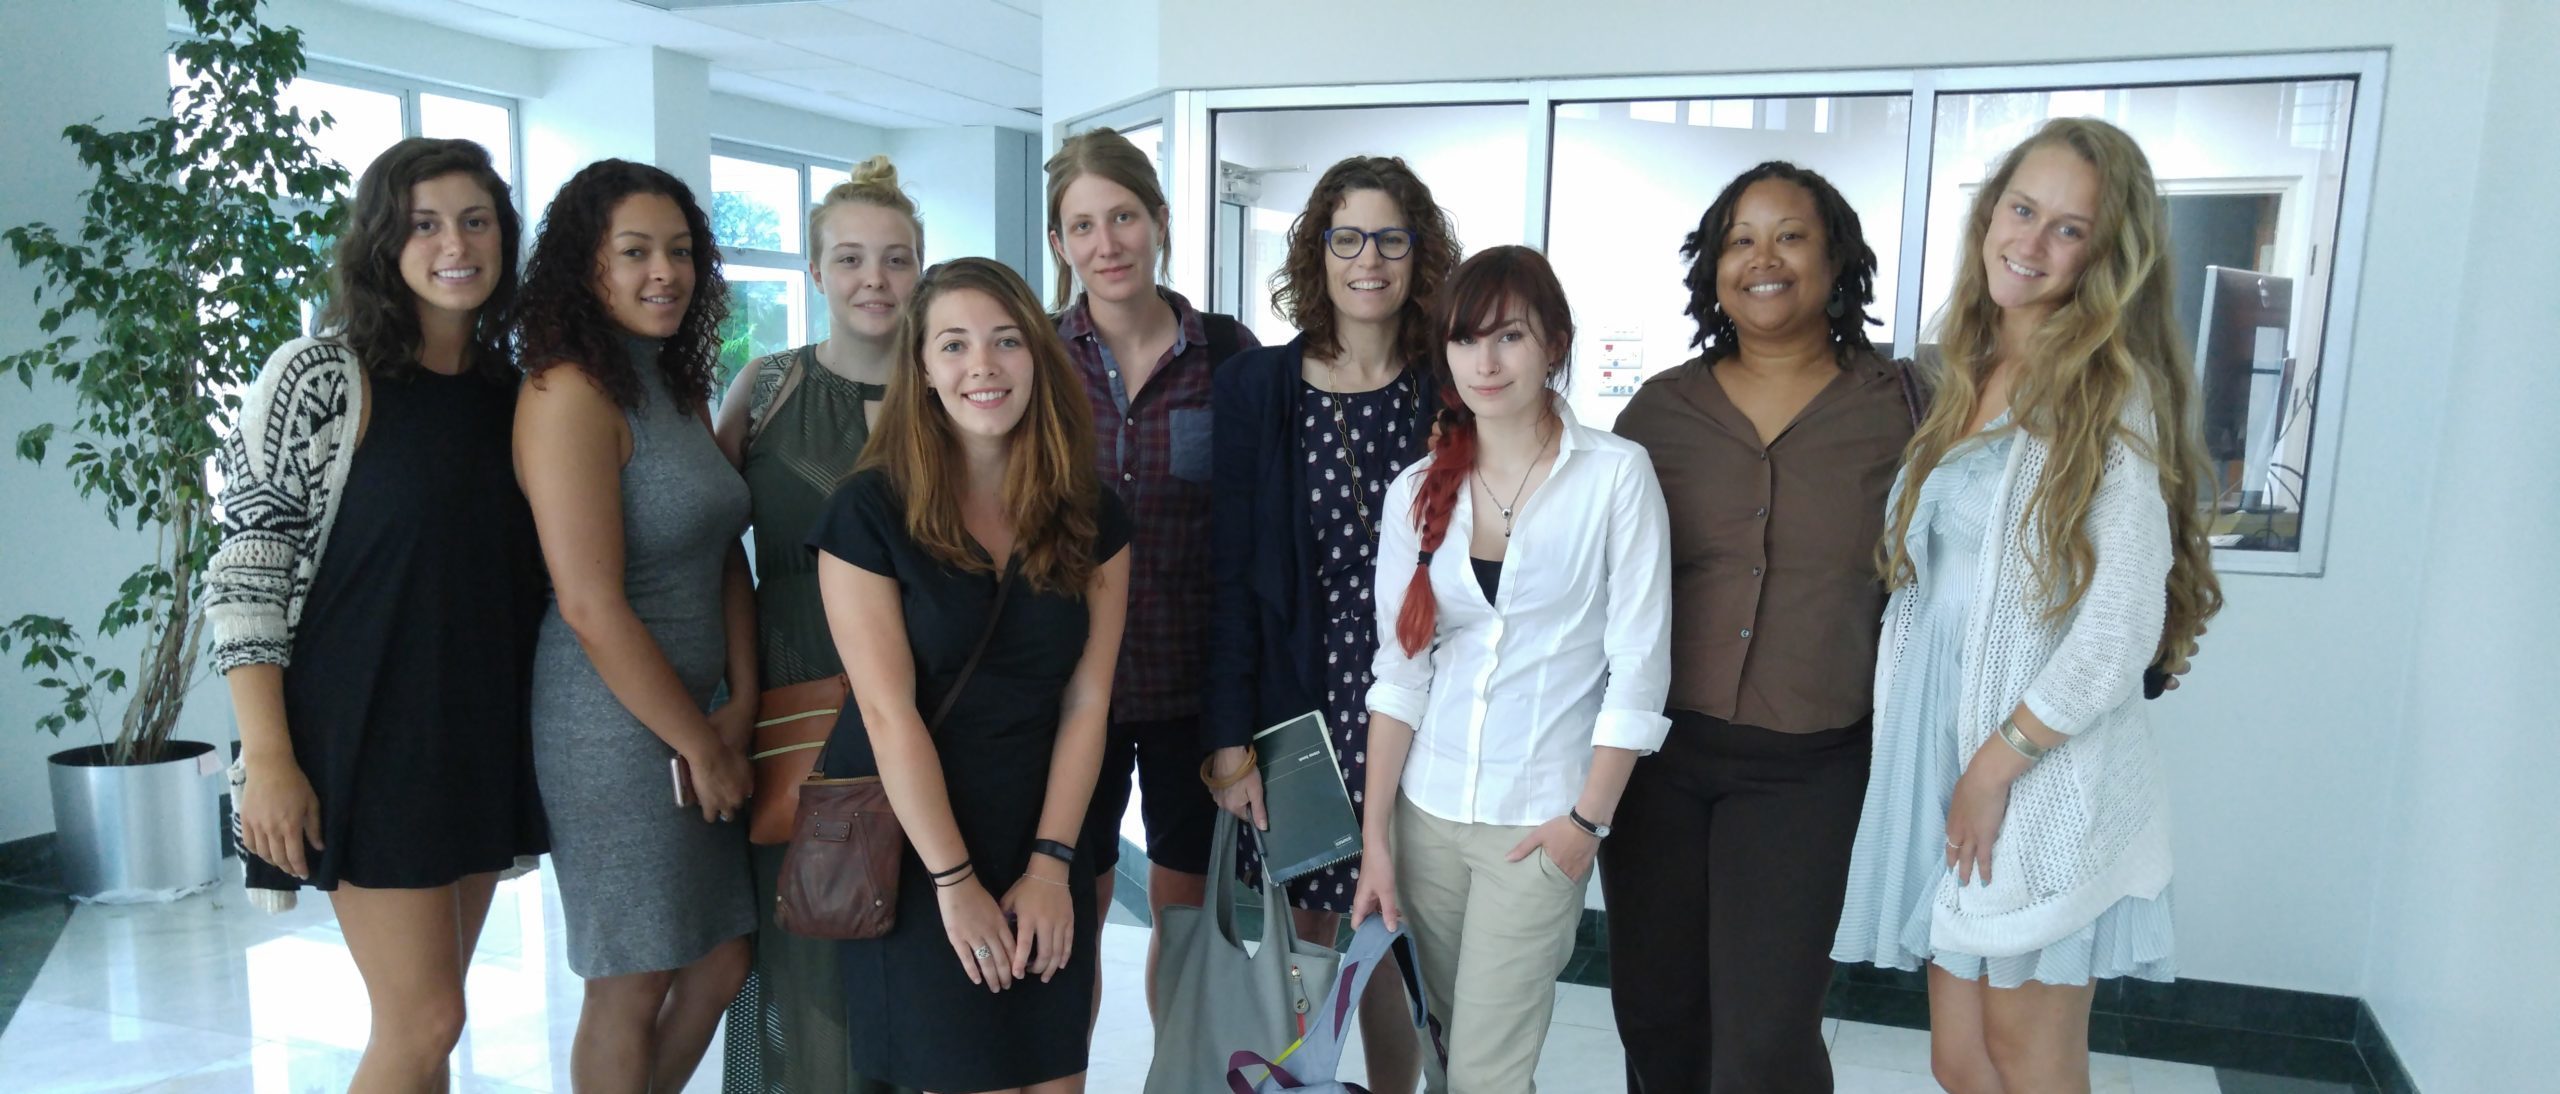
2155 681
682 773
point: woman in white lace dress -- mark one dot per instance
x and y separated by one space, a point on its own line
2044 543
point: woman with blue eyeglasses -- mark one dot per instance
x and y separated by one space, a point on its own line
1307 438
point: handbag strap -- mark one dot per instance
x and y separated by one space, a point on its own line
969 668
1004 590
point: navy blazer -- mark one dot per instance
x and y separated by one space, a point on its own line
1266 638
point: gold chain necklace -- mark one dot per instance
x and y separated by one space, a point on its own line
1342 448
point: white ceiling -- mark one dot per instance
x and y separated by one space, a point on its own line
899 64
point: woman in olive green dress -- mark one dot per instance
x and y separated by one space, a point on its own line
794 422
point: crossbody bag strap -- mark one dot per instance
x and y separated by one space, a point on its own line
1004 590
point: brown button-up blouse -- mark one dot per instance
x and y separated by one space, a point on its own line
1775 600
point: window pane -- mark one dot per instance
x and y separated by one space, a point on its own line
1625 189
766 311
2253 173
365 122
1268 162
823 179
487 124
755 204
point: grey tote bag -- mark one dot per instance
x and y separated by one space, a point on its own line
1213 998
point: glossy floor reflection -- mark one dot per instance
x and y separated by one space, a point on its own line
210 995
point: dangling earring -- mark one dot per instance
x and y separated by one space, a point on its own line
1835 307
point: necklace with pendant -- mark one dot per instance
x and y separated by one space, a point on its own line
1513 505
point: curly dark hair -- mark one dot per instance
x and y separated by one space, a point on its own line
1300 291
371 307
561 320
1853 289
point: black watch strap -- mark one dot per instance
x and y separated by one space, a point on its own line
1597 831
1055 850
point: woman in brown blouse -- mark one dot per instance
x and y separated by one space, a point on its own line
1775 449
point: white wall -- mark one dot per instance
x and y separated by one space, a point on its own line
1093 54
367 38
968 184
768 125
2281 745
63 61
2465 967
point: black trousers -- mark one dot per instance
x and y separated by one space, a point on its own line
1724 879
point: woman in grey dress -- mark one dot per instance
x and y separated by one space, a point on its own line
639 517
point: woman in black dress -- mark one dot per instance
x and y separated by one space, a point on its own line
377 544
979 473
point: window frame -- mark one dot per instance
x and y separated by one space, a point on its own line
408 89
1190 164
812 315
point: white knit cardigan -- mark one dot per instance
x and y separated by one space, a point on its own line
2089 825
282 471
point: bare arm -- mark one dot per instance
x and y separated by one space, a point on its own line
1045 917
570 444
1075 763
737 407
869 624
279 813
736 719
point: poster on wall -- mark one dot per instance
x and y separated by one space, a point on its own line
1619 359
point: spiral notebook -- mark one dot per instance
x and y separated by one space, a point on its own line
1312 825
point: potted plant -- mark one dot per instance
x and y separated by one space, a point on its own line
197 245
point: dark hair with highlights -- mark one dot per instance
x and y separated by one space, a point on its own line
1497 285
1300 292
560 319
371 308
1853 285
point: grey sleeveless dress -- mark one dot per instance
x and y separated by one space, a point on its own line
645 886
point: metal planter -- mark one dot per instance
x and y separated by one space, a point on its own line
137 833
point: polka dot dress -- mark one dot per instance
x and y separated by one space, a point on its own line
1384 437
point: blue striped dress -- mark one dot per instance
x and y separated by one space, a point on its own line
1898 864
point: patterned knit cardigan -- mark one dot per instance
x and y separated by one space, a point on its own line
282 472
2089 825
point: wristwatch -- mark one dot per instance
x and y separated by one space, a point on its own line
1598 831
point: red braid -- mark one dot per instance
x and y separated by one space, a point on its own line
1453 456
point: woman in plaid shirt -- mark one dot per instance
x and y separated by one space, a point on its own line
1145 354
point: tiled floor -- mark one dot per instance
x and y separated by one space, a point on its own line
210 995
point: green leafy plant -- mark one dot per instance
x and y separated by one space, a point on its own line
198 243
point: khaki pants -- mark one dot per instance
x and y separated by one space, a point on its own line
1494 936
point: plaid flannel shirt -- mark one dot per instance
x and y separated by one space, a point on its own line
1154 450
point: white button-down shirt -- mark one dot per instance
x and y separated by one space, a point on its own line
1574 652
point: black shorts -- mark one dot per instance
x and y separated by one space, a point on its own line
1178 809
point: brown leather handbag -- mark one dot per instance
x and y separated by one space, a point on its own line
792 728
840 875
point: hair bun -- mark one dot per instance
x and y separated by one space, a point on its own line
876 171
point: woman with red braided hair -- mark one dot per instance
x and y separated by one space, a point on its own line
1521 669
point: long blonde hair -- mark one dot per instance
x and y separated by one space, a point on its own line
1051 493
2114 341
874 182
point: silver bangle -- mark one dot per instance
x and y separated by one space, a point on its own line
2017 739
